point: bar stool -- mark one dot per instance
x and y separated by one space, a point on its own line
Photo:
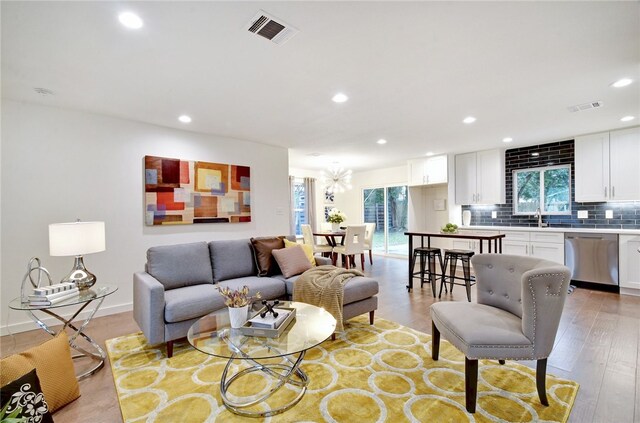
428 255
451 257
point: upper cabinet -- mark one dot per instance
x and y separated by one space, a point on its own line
480 177
428 171
606 166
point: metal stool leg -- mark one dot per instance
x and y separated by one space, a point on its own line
467 276
421 269
443 280
432 273
453 261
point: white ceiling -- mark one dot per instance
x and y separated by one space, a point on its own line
412 70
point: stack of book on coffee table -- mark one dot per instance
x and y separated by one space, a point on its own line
53 294
269 325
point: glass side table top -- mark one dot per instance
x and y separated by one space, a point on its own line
85 295
213 335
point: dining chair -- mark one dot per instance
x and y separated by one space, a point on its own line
368 239
353 244
307 236
516 317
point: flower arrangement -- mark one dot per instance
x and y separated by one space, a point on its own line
238 297
336 216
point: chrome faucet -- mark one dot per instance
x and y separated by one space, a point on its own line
538 216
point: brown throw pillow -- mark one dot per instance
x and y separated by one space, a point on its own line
262 248
53 363
292 261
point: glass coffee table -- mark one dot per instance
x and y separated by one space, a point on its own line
213 335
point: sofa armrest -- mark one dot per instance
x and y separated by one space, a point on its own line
321 261
148 306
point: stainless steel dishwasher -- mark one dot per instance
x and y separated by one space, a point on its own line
592 257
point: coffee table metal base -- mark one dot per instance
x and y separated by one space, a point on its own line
284 374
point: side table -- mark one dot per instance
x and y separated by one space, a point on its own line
94 295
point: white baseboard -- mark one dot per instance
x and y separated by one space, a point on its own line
27 325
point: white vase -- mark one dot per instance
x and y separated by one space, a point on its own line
238 316
466 218
335 227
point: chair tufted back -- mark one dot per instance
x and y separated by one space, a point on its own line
531 288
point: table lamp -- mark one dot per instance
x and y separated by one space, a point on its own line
77 239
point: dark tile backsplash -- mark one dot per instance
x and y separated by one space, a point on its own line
626 215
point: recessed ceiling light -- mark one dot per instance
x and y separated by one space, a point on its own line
622 82
185 119
130 20
535 154
340 98
381 141
429 154
507 139
627 118
469 119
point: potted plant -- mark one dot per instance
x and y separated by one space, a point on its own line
336 217
238 301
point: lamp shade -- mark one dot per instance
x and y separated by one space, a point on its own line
76 239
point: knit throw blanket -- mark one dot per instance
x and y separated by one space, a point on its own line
323 286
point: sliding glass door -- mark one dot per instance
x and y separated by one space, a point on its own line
387 207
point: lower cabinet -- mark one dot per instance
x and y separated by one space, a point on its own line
629 260
544 245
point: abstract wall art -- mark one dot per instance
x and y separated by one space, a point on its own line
180 192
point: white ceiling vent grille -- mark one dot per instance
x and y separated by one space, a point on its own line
585 106
271 28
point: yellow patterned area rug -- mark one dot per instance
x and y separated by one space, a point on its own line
379 373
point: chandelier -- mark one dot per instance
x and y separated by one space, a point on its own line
336 179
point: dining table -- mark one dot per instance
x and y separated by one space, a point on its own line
495 238
331 236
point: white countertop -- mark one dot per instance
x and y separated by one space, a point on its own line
553 229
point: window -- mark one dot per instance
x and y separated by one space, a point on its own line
299 205
547 189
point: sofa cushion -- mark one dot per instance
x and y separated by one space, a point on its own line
175 266
308 251
292 261
191 302
262 247
232 259
24 400
269 288
54 366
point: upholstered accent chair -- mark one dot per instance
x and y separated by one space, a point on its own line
353 244
516 317
370 229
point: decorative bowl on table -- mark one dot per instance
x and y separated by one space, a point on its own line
449 228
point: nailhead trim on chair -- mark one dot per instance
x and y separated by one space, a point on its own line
533 295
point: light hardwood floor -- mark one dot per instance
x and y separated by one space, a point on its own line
596 345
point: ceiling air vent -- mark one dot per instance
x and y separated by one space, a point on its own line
585 106
271 28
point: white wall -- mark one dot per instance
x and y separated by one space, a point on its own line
58 165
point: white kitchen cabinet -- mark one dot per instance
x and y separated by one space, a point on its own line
606 166
480 177
544 245
429 171
629 260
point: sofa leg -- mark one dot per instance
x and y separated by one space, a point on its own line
435 342
169 349
541 378
471 383
371 313
501 361
333 336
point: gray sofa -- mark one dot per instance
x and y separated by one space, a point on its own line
179 286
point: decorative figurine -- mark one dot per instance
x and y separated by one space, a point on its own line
269 308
